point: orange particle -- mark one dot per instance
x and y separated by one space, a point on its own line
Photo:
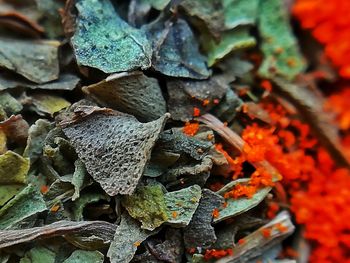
44 189
216 213
266 232
55 208
210 136
137 243
217 253
266 85
190 129
281 228
241 241
196 112
174 214
205 102
224 205
291 62
272 210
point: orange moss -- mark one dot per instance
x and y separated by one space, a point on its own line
196 112
217 253
273 208
190 129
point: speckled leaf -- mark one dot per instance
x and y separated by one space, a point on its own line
126 238
35 60
48 104
38 255
103 40
132 93
66 81
240 205
147 205
182 204
83 256
37 134
9 103
240 12
27 203
13 168
281 52
114 146
176 50
200 233
233 40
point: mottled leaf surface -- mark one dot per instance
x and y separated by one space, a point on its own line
132 93
48 104
38 255
114 147
13 168
103 40
80 256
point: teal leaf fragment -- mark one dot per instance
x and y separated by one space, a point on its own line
38 255
176 52
79 178
282 56
35 60
104 41
132 93
182 204
238 206
240 12
82 256
126 240
9 104
147 205
26 203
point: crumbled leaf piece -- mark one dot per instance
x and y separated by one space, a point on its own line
126 238
85 199
132 93
171 249
114 146
233 40
99 230
185 95
159 163
229 106
38 255
103 40
13 168
200 233
9 103
80 256
176 50
147 205
48 104
240 12
66 81
238 206
79 178
256 243
16 129
183 203
281 52
35 60
37 134
8 191
27 203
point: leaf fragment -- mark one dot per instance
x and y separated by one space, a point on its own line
9 104
103 40
240 12
38 255
48 104
13 168
79 256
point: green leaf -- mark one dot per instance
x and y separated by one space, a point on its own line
38 255
147 205
103 40
182 204
9 103
282 56
26 203
80 178
240 12
13 168
176 51
233 40
82 256
238 206
35 60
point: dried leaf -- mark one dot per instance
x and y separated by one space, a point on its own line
13 168
126 240
132 93
9 103
281 52
147 205
117 158
176 51
48 104
200 233
99 229
16 129
35 60
79 178
103 40
79 256
27 203
38 255
240 12
8 191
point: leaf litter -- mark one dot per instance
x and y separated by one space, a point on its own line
162 131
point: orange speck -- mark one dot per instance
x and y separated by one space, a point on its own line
55 208
137 243
44 189
216 213
174 214
205 102
241 241
210 137
196 112
273 208
266 85
224 205
266 232
281 228
190 129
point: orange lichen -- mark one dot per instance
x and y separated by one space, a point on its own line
216 213
174 214
190 128
196 112
217 253
44 189
339 104
266 232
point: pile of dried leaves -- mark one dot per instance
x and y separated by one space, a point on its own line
163 131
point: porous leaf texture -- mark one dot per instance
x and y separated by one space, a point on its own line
132 93
114 146
103 40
